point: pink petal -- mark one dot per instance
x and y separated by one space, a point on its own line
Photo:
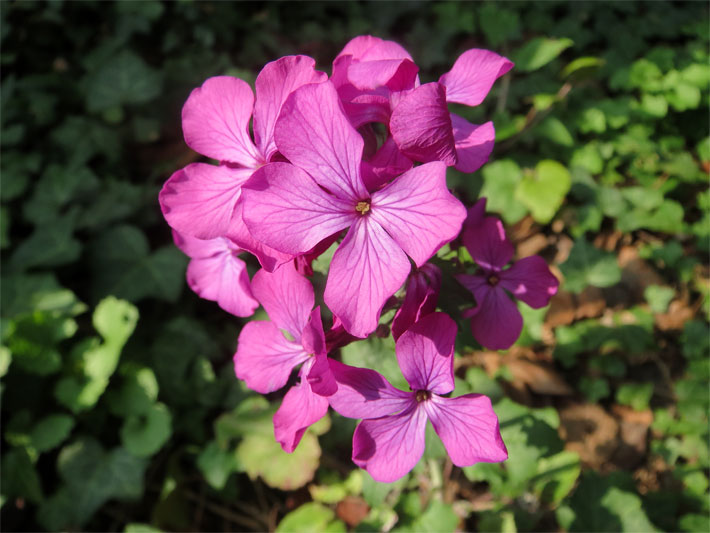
387 163
469 429
320 376
420 300
473 75
285 209
476 213
337 337
223 278
300 408
367 268
531 281
395 74
287 298
364 393
196 248
418 211
474 143
373 48
304 263
496 322
425 353
274 83
215 121
364 107
487 243
391 446
315 135
265 358
269 257
475 284
421 125
200 199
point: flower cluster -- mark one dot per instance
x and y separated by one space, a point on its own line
316 170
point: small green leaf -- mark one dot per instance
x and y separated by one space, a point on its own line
501 179
438 517
658 297
50 432
310 517
538 52
588 157
553 129
637 395
583 67
49 245
594 389
19 477
544 192
143 435
587 265
216 465
499 24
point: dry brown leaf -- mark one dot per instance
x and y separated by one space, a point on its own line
352 510
541 378
591 432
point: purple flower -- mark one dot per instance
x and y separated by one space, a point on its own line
216 273
265 356
389 442
293 207
202 200
496 322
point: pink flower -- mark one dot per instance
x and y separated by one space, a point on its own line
216 273
265 356
293 207
202 200
496 322
389 442
422 293
422 127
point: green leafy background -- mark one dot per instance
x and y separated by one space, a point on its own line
120 409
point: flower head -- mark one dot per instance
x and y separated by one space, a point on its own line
389 442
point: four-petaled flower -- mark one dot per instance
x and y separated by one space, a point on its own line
496 322
389 442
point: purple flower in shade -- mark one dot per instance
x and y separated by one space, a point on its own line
202 200
496 322
389 442
292 207
217 273
266 356
417 115
423 288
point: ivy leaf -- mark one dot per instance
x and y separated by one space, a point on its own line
538 52
544 191
587 265
123 79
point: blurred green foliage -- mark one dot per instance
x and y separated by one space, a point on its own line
120 409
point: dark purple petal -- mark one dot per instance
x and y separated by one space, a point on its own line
531 281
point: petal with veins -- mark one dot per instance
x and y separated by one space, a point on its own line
487 243
473 75
474 143
531 281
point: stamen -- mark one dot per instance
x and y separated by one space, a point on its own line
493 280
363 207
422 395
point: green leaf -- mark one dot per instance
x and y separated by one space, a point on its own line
34 339
591 120
658 297
587 265
311 516
123 79
499 24
538 52
582 68
438 517
654 106
135 527
544 192
588 157
637 395
123 266
694 523
5 360
216 464
19 477
49 245
594 389
137 394
143 435
553 129
50 432
261 455
557 475
377 354
501 179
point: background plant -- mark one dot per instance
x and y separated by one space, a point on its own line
119 403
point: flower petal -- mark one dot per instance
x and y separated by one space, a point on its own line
285 209
420 300
200 199
421 125
265 358
474 143
418 211
425 353
367 47
387 163
473 75
389 447
223 278
395 74
314 134
274 83
215 121
487 243
300 408
287 298
496 322
469 429
320 376
531 281
367 268
364 393
270 258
